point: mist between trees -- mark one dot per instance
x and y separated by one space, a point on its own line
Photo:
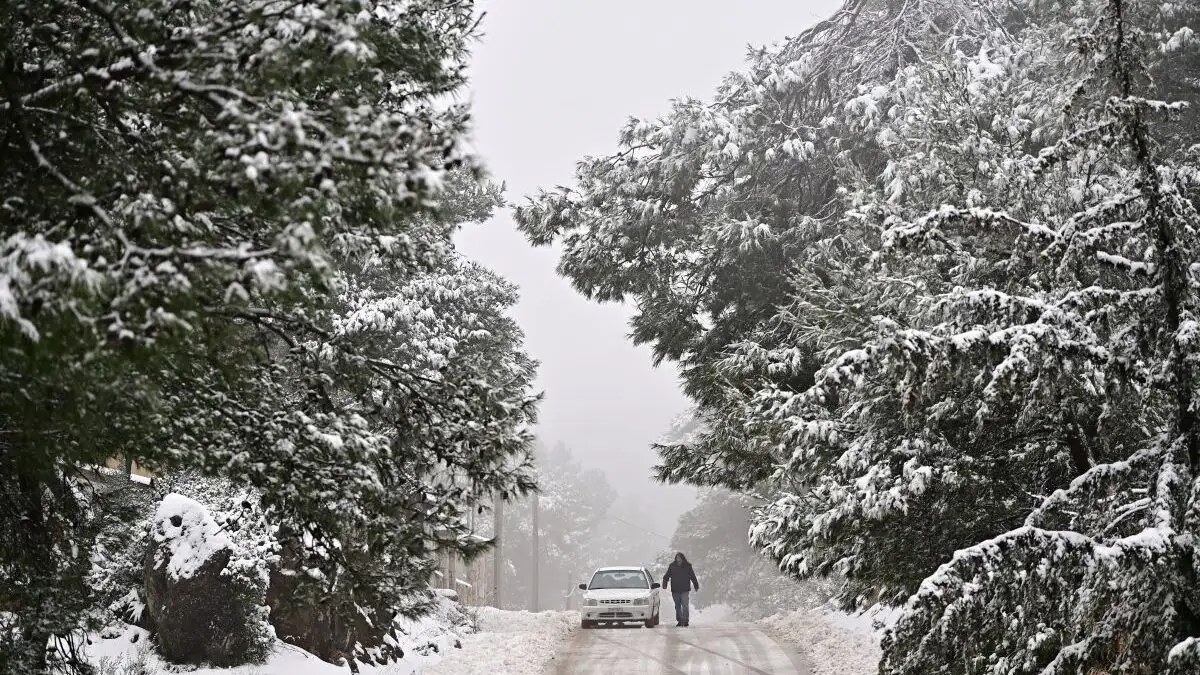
578 531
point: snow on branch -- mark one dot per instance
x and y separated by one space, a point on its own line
932 226
1054 598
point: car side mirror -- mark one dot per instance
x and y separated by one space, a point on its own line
655 585
583 587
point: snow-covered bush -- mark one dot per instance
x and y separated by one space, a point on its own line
118 557
126 517
138 663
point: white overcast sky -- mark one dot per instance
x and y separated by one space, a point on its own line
553 81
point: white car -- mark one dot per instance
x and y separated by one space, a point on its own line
620 595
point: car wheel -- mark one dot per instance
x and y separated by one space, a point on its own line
652 621
587 624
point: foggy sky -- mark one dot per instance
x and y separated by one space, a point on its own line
553 81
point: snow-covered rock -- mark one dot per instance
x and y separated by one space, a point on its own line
201 609
187 536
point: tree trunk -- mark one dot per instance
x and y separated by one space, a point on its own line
37 553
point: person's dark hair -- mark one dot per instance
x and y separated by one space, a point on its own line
678 555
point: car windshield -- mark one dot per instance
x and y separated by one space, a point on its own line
619 579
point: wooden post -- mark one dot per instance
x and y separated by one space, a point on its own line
536 600
497 553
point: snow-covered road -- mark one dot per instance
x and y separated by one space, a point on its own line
725 648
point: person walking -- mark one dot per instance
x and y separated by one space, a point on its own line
680 578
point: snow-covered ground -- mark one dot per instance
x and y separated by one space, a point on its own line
131 654
516 643
713 614
507 643
835 643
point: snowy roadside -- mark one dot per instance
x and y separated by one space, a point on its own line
836 643
506 643
509 643
719 613
130 653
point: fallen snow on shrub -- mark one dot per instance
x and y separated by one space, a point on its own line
834 642
509 643
189 532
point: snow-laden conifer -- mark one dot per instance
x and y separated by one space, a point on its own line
225 245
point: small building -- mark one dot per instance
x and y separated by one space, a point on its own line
131 467
473 581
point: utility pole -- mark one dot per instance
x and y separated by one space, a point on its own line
497 550
536 599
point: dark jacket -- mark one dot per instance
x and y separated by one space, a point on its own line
680 578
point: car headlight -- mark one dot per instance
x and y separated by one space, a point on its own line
642 601
591 602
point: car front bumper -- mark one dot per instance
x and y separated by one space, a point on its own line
617 613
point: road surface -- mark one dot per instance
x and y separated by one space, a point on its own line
719 648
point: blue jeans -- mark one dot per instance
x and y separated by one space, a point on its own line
681 606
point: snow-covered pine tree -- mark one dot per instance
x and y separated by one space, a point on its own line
436 368
1102 577
189 195
701 214
719 216
885 483
1049 352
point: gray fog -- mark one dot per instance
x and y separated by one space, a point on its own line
553 81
